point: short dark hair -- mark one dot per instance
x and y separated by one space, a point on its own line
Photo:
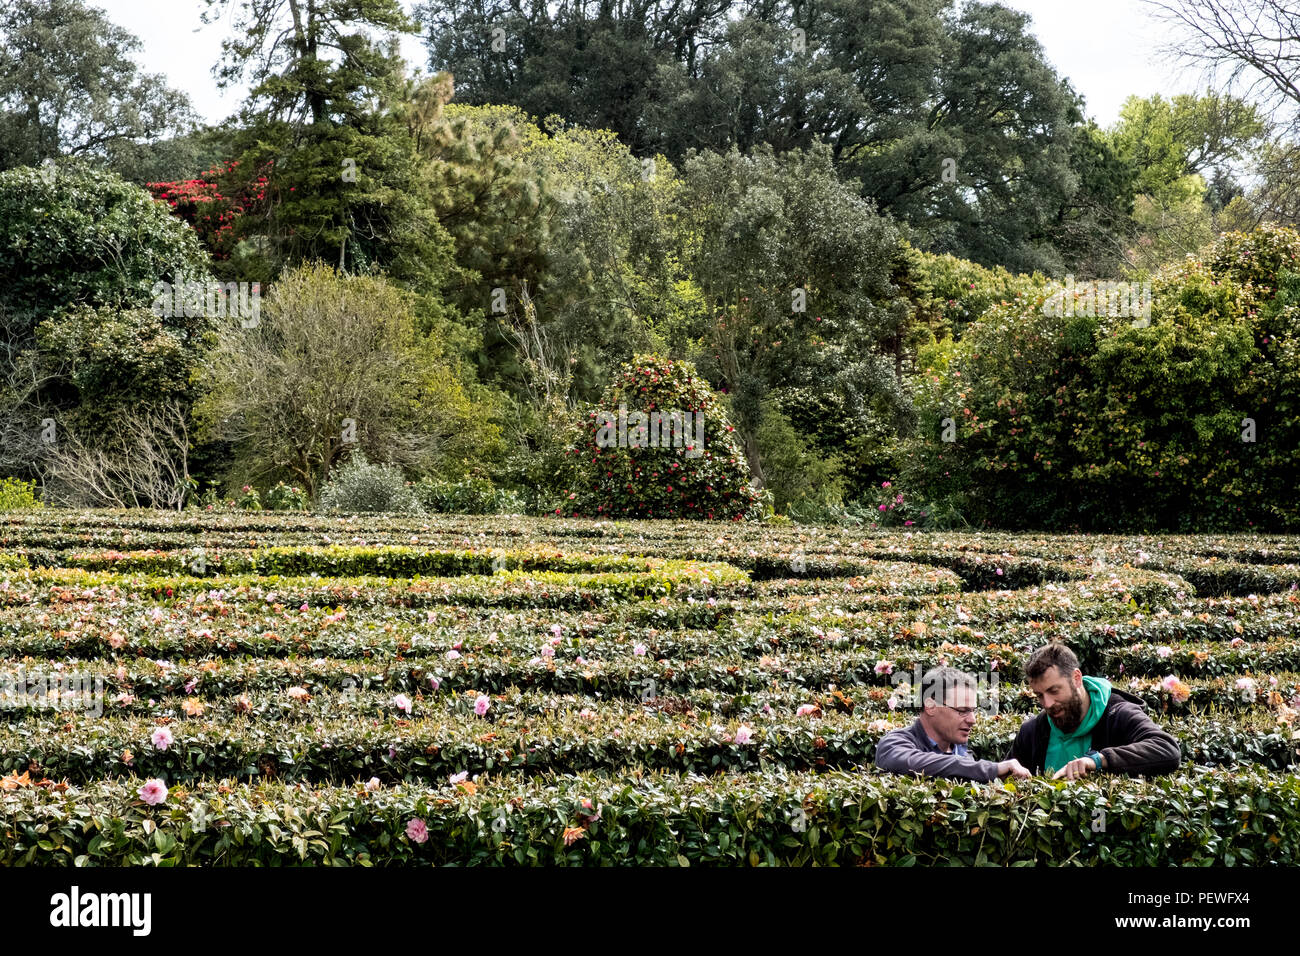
1050 655
937 681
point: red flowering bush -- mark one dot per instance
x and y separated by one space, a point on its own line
660 445
213 203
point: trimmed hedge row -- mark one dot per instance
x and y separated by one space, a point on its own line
774 818
435 744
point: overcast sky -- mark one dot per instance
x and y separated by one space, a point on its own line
1108 49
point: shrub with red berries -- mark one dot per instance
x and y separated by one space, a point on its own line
660 445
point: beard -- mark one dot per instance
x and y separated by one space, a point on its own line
1072 713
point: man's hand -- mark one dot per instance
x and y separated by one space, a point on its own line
1014 768
1076 769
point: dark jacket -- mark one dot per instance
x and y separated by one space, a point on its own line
908 750
1128 739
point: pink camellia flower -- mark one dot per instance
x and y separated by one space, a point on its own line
435 683
303 608
481 705
372 784
1164 651
190 684
459 777
556 641
638 650
120 674
588 713
884 667
767 708
1236 642
458 645
805 709
882 507
162 738
430 617
452 655
998 571
153 792
402 702
417 831
548 651
884 484
744 734
580 660
557 630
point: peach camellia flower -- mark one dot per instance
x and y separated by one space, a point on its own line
481 705
372 784
1176 688
417 831
573 834
162 738
153 792
242 704
1236 642
192 707
298 693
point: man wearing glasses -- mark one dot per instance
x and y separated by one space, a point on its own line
936 744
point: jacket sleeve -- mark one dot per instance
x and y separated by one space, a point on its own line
897 752
1146 749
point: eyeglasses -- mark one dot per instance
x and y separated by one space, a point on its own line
962 711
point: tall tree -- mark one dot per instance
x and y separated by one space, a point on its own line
325 75
794 267
69 87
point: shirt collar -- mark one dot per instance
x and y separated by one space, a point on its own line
958 749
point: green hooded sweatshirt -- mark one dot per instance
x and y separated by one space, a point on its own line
1062 748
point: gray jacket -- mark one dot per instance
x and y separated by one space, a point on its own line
908 750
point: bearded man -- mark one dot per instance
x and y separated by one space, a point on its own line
1087 726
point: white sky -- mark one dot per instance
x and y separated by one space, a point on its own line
1108 49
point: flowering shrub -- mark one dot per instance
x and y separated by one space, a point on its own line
214 203
286 498
660 481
